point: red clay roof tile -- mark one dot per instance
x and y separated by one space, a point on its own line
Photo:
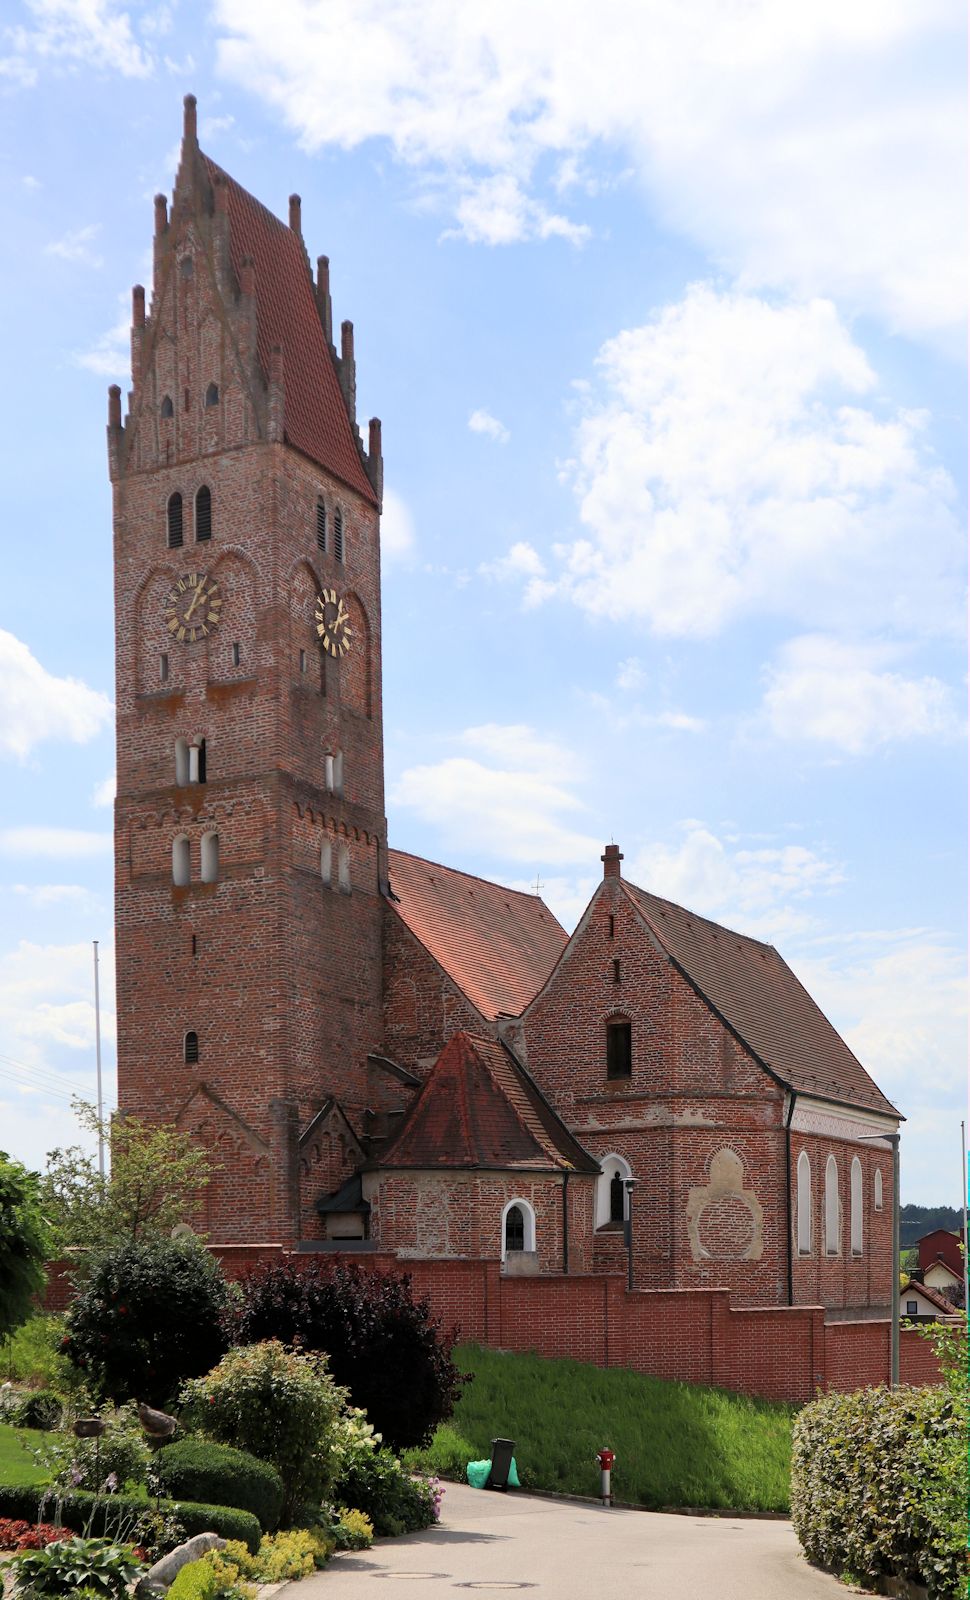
315 416
479 1108
761 999
498 945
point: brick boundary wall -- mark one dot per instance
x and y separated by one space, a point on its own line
690 1335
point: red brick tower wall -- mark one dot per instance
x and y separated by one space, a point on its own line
278 973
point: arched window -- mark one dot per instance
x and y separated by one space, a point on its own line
619 1048
877 1189
855 1206
326 862
190 1049
321 525
832 1229
611 1200
181 860
338 534
338 772
175 521
343 868
167 408
203 515
212 395
181 761
804 1204
210 857
518 1228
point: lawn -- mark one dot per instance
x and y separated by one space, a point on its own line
676 1444
17 1465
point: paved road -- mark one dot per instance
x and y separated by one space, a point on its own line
493 1543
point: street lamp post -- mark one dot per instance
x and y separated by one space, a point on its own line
629 1184
893 1140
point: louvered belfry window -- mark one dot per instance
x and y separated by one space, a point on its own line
203 515
321 525
191 1049
175 521
338 535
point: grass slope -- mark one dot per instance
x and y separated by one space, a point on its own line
676 1444
17 1465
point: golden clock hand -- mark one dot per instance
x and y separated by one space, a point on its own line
199 593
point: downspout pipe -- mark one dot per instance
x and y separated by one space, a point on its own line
788 1200
565 1224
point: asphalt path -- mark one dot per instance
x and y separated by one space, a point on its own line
499 1544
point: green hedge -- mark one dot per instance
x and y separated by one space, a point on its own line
100 1514
878 1486
218 1475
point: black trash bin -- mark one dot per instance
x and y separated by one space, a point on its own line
498 1474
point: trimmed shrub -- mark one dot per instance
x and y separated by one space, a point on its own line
196 1469
280 1557
149 1316
212 1577
375 1483
280 1406
39 1409
382 1344
878 1486
119 1513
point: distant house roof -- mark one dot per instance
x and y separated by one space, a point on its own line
941 1245
497 945
762 1001
480 1109
938 1301
315 418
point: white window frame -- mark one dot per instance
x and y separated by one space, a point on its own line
609 1165
877 1189
803 1204
181 860
833 1226
855 1207
528 1229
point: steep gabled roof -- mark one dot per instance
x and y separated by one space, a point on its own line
760 998
480 1109
315 419
935 1298
498 945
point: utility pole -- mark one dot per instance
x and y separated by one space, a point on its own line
966 1268
893 1139
97 1048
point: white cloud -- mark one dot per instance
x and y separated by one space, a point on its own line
36 705
397 528
76 246
522 561
726 467
30 182
818 149
59 844
104 792
44 896
630 674
482 421
80 33
512 798
761 891
841 694
110 355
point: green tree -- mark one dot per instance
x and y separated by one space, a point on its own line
25 1243
157 1173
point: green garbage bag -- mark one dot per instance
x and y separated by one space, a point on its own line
477 1474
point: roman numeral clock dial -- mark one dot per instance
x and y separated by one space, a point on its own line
193 607
332 623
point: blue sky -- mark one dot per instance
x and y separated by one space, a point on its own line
662 308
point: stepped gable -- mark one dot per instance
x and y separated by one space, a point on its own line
315 419
479 1108
498 945
760 998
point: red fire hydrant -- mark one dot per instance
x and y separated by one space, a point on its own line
606 1459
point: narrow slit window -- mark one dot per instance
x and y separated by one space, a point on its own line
303 661
181 861
175 521
201 762
619 1049
804 1208
343 868
190 1049
832 1220
167 408
855 1206
195 945
163 667
338 534
328 773
203 516
877 1189
326 862
321 525
236 655
338 773
612 932
210 857
212 395
616 970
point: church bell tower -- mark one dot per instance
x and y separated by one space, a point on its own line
250 838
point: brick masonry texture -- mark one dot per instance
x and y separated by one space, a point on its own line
321 1002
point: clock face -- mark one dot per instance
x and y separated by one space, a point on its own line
193 607
332 623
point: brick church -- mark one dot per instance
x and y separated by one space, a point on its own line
385 1054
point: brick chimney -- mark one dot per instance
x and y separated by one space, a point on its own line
611 861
